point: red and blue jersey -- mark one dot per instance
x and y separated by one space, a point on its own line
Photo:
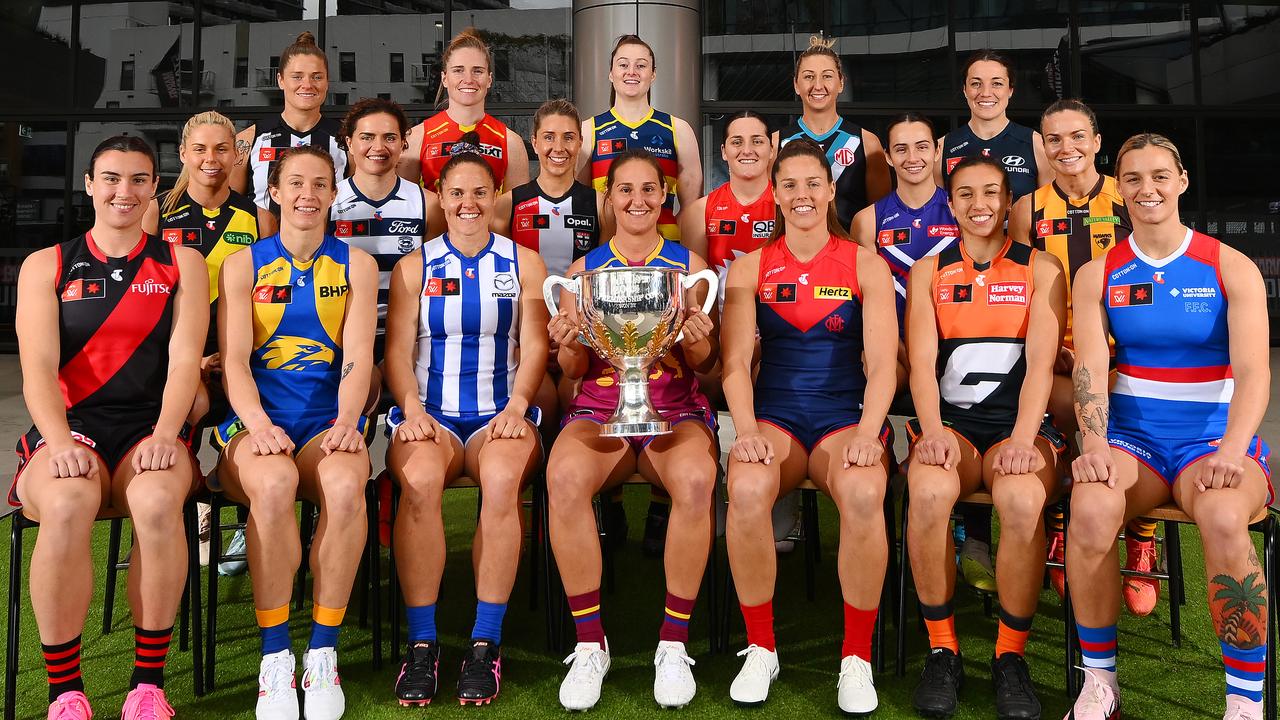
1169 321
905 234
810 320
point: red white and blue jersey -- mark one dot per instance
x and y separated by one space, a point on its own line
468 327
735 229
810 320
905 234
1169 321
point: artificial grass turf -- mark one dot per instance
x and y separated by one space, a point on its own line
1158 680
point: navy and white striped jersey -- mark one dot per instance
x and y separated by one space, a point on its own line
388 229
273 138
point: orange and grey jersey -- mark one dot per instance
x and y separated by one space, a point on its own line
982 311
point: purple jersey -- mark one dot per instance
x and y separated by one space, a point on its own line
904 235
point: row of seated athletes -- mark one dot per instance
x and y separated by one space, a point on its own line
805 195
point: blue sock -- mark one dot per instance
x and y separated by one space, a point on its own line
1098 647
274 638
323 636
1245 670
422 623
489 621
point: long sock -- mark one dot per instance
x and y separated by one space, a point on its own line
858 628
675 619
585 609
1054 522
325 624
489 621
273 628
1245 670
1012 634
1098 647
62 663
759 622
1138 529
940 621
150 647
422 623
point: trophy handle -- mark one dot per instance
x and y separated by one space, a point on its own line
549 291
713 281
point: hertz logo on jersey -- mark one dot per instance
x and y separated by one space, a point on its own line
829 292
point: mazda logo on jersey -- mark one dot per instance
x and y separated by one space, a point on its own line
275 294
955 294
609 147
1129 295
504 281
441 287
893 236
778 293
1013 161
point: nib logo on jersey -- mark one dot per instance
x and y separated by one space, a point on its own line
1129 295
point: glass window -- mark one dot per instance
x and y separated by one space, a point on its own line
1135 52
1117 128
397 67
126 74
409 29
242 73
1238 54
144 50
42 40
530 46
240 46
1033 34
347 67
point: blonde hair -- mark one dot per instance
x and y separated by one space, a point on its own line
1141 140
468 38
824 47
209 117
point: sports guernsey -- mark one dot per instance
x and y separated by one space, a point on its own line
440 132
387 229
735 229
216 233
298 309
560 229
273 138
1173 354
655 133
1077 230
809 314
1014 147
673 388
468 328
848 158
115 318
905 234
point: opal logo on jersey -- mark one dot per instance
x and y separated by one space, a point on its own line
1129 295
778 293
844 156
404 227
237 238
84 289
761 229
290 352
273 294
893 236
834 323
1013 161
1007 293
610 147
149 287
441 287
829 292
580 222
937 231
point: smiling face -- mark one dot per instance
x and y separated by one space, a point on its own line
209 155
376 144
305 82
557 142
803 190
1070 142
747 148
121 186
1150 183
818 82
979 200
467 77
913 153
305 192
987 89
637 194
467 197
632 71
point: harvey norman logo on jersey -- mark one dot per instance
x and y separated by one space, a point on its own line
1007 293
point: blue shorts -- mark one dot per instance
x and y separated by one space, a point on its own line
640 442
463 427
1169 458
300 429
811 428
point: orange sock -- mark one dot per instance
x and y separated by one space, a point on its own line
940 621
1011 637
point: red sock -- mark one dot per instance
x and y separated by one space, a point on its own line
585 609
759 621
858 628
675 619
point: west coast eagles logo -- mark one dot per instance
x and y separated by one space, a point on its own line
290 352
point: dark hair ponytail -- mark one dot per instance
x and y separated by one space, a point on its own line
122 143
466 151
804 147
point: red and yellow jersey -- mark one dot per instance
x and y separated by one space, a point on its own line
655 134
982 312
440 132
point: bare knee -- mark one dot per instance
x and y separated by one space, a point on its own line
751 495
1096 518
273 497
73 505
694 488
859 498
933 495
1020 502
569 487
152 509
421 486
1222 524
501 488
342 493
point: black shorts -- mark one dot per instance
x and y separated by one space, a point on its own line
111 437
984 436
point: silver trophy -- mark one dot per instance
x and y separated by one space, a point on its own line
631 317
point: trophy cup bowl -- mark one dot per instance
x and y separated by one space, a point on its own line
631 317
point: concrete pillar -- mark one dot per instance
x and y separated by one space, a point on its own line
671 27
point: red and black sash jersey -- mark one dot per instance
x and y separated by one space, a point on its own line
440 132
115 316
560 229
735 229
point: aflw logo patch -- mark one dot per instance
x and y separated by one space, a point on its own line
278 294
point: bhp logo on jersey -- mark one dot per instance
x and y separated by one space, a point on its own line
1129 295
778 293
277 294
893 236
150 287
955 294
937 231
828 292
84 289
441 287
1007 293
609 147
333 291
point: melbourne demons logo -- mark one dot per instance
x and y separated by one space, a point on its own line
835 323
290 352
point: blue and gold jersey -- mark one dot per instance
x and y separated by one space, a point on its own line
298 309
666 254
655 134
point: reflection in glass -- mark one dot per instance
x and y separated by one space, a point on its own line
1238 54
1135 53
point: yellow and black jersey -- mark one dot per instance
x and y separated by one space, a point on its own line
1077 230
215 232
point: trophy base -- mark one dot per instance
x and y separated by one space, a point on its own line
632 429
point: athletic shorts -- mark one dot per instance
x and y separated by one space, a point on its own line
111 440
640 442
1169 458
984 437
809 430
462 427
301 430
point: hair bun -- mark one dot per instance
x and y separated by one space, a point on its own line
818 41
468 143
305 38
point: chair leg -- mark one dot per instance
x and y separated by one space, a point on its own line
904 567
1071 643
1270 530
535 530
191 618
375 574
306 529
1173 543
211 591
15 617
113 560
393 591
812 549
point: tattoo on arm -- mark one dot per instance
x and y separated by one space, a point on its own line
242 151
1094 412
347 369
1239 609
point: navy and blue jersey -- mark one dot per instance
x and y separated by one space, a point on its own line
847 157
1014 147
905 234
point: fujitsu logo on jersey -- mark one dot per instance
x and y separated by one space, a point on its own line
403 227
151 287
